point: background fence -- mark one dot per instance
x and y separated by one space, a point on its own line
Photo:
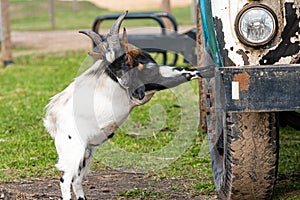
54 14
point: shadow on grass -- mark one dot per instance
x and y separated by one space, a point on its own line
288 182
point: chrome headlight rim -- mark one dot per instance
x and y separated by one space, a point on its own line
238 21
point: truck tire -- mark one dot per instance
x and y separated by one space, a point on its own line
244 153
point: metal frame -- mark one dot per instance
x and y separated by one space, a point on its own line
269 88
158 43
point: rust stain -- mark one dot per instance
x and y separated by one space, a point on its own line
244 56
243 79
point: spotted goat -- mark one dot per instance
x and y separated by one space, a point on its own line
97 102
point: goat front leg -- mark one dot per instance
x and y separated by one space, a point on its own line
188 73
173 76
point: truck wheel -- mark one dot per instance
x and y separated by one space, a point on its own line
244 153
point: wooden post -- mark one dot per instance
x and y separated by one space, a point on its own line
201 62
166 7
51 13
6 39
75 5
194 11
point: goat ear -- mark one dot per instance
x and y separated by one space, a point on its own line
124 38
95 55
94 36
126 46
100 46
130 49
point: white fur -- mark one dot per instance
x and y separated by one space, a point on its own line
110 56
81 116
168 72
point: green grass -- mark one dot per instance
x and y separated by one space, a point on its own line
34 15
160 138
141 194
26 149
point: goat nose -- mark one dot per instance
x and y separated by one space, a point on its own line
139 93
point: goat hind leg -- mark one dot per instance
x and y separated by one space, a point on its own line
82 172
77 187
65 186
70 174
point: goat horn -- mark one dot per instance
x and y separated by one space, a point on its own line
94 36
113 36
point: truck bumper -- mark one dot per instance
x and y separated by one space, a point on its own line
269 88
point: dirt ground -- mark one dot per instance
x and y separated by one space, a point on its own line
48 41
107 184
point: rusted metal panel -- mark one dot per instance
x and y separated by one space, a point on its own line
261 88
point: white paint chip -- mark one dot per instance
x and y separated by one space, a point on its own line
235 90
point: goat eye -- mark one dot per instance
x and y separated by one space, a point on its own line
140 66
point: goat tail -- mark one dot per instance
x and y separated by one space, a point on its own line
50 126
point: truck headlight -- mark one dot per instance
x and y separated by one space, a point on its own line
256 25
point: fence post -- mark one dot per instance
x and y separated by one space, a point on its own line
75 5
6 47
194 11
166 7
51 13
200 63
